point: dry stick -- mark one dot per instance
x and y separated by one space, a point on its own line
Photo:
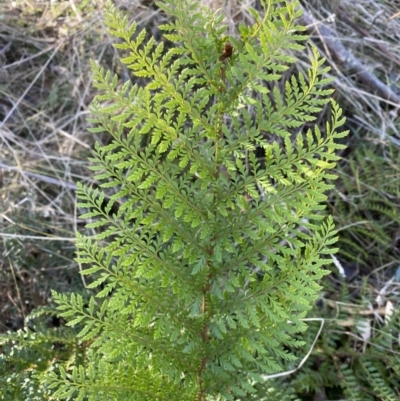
40 177
348 61
381 46
304 360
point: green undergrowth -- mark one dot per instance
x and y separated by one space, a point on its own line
357 356
29 354
366 206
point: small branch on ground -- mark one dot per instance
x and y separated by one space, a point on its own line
347 60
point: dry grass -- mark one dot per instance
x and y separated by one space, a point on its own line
370 30
45 90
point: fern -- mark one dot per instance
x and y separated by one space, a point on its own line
29 354
352 389
207 258
341 365
378 381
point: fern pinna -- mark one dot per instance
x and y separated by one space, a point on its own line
208 254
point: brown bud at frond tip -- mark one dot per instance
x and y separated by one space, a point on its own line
227 53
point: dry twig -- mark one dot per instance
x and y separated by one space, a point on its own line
348 61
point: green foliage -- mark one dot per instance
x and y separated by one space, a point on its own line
343 365
29 354
365 207
207 256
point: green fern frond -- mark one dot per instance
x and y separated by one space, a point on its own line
206 257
